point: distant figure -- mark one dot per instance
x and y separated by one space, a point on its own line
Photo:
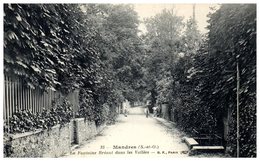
146 112
125 112
126 105
155 109
159 111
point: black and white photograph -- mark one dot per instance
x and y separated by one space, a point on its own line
129 80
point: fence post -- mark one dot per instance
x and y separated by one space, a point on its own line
238 87
6 108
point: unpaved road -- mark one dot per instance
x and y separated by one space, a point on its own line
134 135
137 136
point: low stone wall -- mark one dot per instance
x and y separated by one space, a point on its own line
43 143
51 143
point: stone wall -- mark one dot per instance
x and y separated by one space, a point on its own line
84 130
43 143
51 143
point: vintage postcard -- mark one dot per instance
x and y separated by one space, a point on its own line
129 80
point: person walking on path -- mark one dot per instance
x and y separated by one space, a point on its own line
146 112
125 112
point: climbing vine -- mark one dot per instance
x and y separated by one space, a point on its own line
74 46
205 90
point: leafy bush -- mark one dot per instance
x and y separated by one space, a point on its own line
42 46
204 90
232 39
59 46
112 113
25 120
45 44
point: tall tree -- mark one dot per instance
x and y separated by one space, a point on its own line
119 46
163 46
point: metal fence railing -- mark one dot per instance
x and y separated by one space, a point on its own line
18 97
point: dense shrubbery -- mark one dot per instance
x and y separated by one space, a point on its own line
234 42
201 83
72 46
231 41
51 46
25 120
41 45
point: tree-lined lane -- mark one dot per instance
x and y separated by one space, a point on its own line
140 135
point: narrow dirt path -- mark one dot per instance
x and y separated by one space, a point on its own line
134 135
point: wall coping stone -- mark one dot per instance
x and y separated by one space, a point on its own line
20 135
79 119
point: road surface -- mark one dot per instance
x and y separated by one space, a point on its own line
137 136
134 135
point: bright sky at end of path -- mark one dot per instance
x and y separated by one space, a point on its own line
185 10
